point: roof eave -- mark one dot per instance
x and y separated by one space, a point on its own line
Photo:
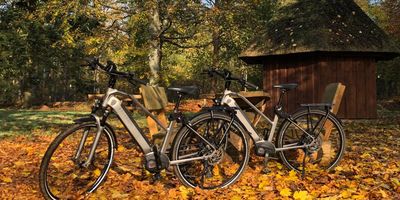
260 59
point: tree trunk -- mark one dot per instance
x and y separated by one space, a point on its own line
216 48
155 46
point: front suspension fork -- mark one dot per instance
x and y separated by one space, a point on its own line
100 128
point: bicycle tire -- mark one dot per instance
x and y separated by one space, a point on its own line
184 135
56 143
289 157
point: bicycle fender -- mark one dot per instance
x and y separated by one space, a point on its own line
220 108
107 126
330 113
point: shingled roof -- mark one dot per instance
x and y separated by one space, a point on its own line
320 26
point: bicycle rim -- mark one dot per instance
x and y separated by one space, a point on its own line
215 172
328 149
61 176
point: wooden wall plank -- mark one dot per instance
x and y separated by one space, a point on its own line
314 74
268 83
360 83
316 79
283 79
371 87
324 66
352 89
307 86
341 77
292 78
298 80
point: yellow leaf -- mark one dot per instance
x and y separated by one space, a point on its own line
339 168
345 194
395 181
216 171
6 179
292 176
185 192
365 155
97 172
292 173
279 166
263 184
369 180
236 197
359 196
302 195
383 193
121 148
118 195
285 192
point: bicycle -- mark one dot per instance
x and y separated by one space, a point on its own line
312 135
78 159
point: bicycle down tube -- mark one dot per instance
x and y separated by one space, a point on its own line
242 117
135 131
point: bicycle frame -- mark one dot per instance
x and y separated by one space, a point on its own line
227 99
111 101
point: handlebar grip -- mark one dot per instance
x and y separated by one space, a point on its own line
251 85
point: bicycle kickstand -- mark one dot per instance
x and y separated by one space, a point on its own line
303 170
266 159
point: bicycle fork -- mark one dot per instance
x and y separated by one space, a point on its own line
100 128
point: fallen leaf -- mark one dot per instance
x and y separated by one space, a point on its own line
302 195
6 179
97 172
285 192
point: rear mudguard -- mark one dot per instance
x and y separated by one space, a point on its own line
221 108
107 126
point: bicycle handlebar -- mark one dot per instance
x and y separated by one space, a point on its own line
227 76
111 69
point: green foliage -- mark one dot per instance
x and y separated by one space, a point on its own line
42 43
386 14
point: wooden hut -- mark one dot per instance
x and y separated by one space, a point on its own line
315 43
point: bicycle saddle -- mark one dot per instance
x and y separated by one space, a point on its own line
191 90
286 86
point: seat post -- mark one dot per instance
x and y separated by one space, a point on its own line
282 93
178 103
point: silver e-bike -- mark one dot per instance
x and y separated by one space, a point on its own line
311 137
207 151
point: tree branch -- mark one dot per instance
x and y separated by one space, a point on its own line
187 47
118 9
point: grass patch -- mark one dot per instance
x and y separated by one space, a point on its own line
17 122
28 122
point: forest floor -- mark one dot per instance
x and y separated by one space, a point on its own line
370 168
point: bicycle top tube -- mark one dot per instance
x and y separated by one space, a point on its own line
231 94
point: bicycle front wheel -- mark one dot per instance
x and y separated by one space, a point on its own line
62 175
324 151
226 161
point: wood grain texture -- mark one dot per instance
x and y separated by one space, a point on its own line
313 74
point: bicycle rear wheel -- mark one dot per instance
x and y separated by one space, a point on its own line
327 149
227 162
62 175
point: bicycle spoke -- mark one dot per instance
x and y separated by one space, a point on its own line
222 165
323 152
